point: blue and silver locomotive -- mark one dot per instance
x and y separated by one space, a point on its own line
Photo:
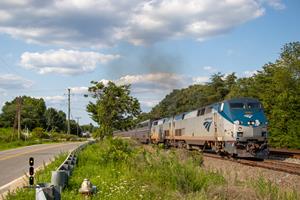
237 127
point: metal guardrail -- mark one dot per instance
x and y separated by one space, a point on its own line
60 177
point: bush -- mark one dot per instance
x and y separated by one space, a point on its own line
39 133
6 134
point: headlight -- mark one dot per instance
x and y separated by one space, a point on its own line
237 122
251 122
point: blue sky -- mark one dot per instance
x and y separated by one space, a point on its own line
156 46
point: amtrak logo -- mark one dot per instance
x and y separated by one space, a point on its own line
207 124
248 116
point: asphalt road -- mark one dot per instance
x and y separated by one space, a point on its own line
14 163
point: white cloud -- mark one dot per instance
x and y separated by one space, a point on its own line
249 73
79 90
67 62
98 23
157 82
200 79
12 81
54 99
276 4
151 88
210 68
148 103
166 80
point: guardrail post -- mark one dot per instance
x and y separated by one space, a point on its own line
45 191
59 178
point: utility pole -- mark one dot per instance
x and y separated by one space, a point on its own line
69 109
78 125
17 122
19 116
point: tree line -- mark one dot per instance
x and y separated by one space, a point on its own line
277 86
35 114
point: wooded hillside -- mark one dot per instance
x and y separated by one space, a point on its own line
277 86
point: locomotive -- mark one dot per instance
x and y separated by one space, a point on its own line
236 127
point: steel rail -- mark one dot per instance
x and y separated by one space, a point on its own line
290 168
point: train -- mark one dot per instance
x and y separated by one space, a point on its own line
235 127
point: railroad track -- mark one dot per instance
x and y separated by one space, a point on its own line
267 164
285 153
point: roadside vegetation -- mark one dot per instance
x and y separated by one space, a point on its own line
121 169
38 124
41 176
9 140
34 114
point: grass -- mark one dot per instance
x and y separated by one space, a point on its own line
122 169
6 142
41 176
267 190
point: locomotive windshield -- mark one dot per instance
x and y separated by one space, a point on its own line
254 105
237 105
250 105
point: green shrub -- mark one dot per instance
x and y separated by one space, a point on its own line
39 133
7 135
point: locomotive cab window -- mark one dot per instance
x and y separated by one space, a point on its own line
237 105
254 105
200 112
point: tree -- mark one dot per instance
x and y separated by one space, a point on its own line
55 120
195 96
73 127
277 85
114 108
88 128
32 113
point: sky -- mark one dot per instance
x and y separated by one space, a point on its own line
154 45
